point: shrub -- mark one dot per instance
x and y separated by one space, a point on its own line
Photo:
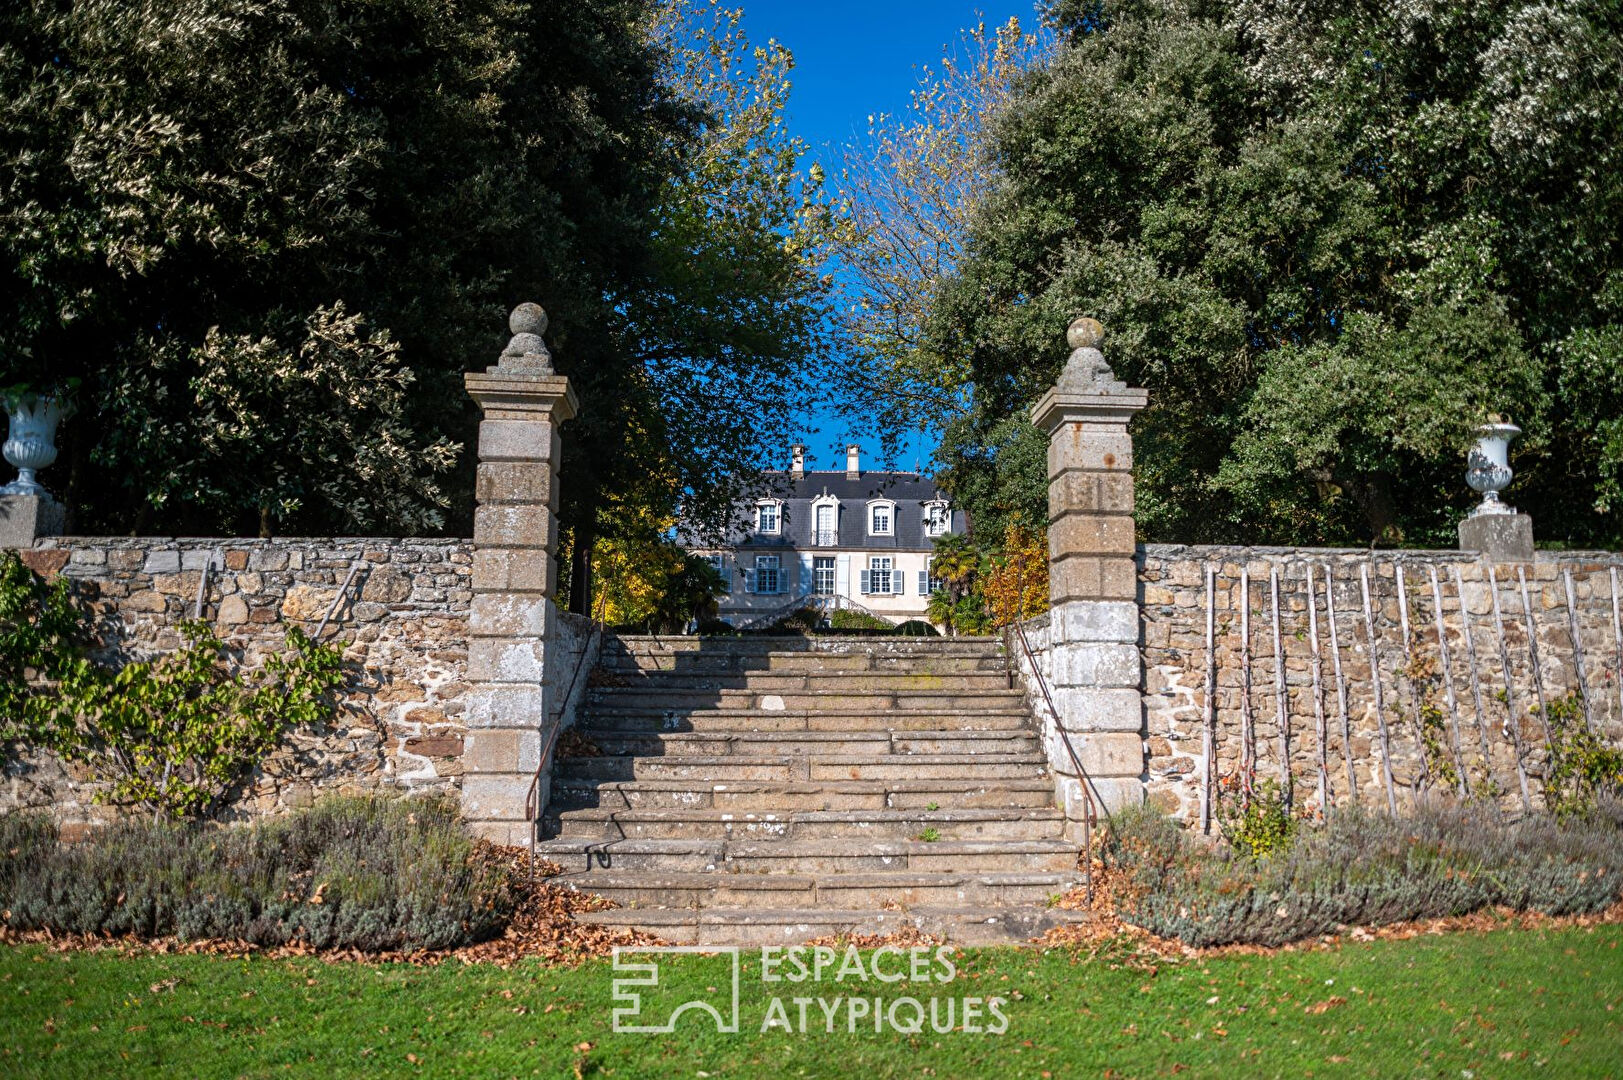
917 628
178 733
175 734
1365 868
365 873
1582 769
1256 824
846 619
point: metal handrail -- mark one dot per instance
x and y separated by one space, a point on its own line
1091 791
532 807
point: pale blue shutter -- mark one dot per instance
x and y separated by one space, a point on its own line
865 579
749 580
807 573
924 583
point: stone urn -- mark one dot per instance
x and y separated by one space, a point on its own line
31 439
1488 466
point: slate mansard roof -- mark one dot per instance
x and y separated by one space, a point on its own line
909 491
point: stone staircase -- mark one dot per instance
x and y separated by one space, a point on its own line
765 789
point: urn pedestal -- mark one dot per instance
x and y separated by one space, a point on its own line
1494 529
27 510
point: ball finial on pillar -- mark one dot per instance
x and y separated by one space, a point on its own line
526 351
528 318
1085 333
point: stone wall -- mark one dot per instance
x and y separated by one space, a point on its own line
402 623
1174 643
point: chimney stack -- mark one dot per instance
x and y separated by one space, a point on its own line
797 462
853 469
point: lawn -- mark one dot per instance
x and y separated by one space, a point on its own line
1507 1003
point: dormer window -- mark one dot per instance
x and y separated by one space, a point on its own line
769 518
881 519
937 519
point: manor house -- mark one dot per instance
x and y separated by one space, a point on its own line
853 539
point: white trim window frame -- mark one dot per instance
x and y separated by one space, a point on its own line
769 517
824 575
881 572
937 518
882 518
825 521
768 574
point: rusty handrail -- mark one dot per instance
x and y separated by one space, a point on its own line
1090 790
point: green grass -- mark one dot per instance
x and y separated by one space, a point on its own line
1509 1003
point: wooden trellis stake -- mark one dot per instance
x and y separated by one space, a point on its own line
1281 698
1448 678
1513 726
1318 693
1341 688
1375 683
1469 634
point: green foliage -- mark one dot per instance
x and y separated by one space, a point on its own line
917 628
847 619
362 873
1328 245
1258 824
1367 869
177 734
270 238
1582 768
44 632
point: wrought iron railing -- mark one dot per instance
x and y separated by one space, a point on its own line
825 538
532 797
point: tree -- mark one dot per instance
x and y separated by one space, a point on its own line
723 336
194 167
906 196
1330 239
227 217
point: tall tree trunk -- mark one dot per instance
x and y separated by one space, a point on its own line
580 573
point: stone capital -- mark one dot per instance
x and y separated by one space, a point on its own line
511 396
1059 407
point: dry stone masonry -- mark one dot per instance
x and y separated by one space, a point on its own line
1444 698
399 609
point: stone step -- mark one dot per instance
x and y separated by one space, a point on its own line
799 644
684 682
602 823
695 767
776 861
746 796
706 720
840 891
968 926
606 700
615 742
702 663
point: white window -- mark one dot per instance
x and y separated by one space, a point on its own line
937 519
767 518
881 518
768 574
823 575
719 563
826 525
880 579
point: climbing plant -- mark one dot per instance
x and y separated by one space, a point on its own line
175 734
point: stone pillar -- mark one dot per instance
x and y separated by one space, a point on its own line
26 518
511 622
1097 671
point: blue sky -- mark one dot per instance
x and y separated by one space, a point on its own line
853 59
